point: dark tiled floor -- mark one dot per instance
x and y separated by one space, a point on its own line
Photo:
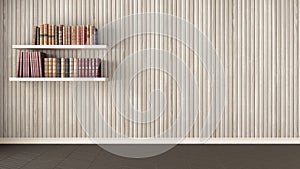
181 157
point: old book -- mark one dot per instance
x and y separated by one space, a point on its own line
91 35
54 67
34 64
86 68
62 67
58 67
73 35
46 34
56 35
90 60
82 66
41 63
67 69
93 67
75 71
41 34
78 35
53 34
64 33
60 34
46 67
79 67
19 65
50 68
71 65
49 35
95 36
34 35
97 67
83 35
87 35
37 36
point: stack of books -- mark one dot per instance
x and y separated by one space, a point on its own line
46 34
72 67
30 64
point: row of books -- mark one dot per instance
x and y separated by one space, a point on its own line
30 64
46 34
37 64
72 67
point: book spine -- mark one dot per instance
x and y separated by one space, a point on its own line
34 67
41 64
73 35
70 35
97 67
18 65
54 67
83 35
50 68
71 71
58 67
82 67
60 34
49 35
41 34
77 35
95 37
91 35
34 35
64 34
24 64
90 60
63 67
87 35
79 67
75 67
86 70
30 64
93 67
27 65
21 64
46 67
46 33
37 36
67 63
55 35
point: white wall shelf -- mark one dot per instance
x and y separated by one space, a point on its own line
48 47
44 79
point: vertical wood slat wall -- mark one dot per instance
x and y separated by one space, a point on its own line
256 40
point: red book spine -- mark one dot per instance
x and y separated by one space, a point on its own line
90 60
78 35
97 67
21 65
83 67
79 67
30 65
25 64
40 64
86 67
93 67
35 68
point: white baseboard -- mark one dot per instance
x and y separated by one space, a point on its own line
149 141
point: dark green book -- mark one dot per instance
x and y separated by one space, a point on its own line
56 35
58 67
67 63
37 36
